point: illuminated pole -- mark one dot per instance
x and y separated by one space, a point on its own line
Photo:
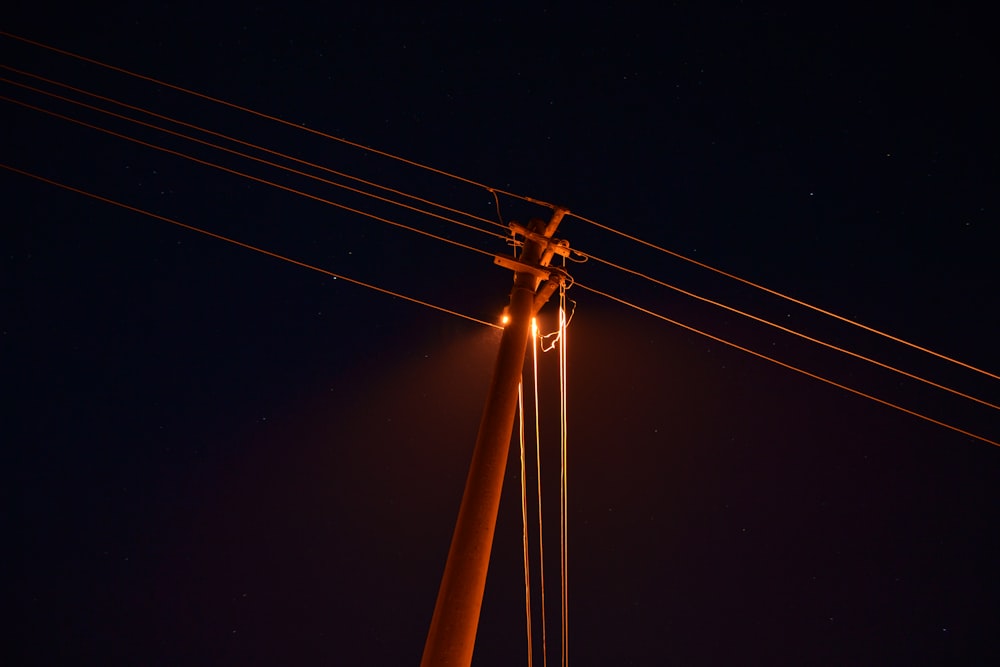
452 634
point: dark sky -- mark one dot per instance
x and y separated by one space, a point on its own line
217 458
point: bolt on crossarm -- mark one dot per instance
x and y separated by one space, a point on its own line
452 634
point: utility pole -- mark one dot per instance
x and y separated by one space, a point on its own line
452 635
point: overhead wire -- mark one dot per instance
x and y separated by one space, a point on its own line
776 293
535 345
251 177
265 116
793 332
248 246
788 366
582 218
559 342
563 476
438 237
490 189
494 191
429 213
524 520
247 144
538 477
252 158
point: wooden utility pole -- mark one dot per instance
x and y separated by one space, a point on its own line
452 634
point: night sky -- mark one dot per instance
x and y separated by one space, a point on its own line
214 457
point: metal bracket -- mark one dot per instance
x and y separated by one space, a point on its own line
557 246
514 265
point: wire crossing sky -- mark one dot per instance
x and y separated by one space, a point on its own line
248 144
247 246
219 459
590 289
497 190
580 253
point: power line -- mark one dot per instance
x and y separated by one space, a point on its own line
784 296
240 142
251 177
563 476
259 160
788 330
587 255
497 190
538 486
788 366
275 119
248 246
492 190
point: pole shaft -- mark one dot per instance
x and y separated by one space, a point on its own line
452 635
